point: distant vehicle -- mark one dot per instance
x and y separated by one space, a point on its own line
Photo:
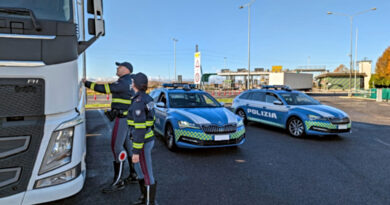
293 110
191 118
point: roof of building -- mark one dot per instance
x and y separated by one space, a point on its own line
324 75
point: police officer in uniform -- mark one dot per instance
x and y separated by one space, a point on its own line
140 120
121 93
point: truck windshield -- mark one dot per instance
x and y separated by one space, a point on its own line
298 99
57 10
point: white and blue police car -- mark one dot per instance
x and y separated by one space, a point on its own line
190 118
295 111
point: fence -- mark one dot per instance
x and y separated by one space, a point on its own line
372 93
225 93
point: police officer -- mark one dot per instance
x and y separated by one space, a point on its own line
121 94
140 120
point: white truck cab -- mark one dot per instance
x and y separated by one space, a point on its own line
42 116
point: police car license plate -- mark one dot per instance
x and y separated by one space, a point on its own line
343 127
221 137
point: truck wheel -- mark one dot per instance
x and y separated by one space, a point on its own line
295 127
242 114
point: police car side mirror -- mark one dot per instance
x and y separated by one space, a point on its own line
222 104
160 104
278 102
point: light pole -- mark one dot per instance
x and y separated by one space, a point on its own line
249 39
350 54
174 54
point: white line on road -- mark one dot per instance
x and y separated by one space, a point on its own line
107 123
382 142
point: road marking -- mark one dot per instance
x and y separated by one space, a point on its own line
107 123
382 142
93 135
240 161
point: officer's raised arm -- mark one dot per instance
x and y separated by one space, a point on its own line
124 69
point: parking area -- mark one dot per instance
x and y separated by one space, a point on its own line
270 168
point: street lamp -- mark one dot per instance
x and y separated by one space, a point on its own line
174 54
249 39
350 55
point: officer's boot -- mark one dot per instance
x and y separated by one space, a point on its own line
142 197
132 178
151 195
117 183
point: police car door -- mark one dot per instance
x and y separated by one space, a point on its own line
274 110
255 106
160 112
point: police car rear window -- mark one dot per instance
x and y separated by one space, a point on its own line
244 96
258 96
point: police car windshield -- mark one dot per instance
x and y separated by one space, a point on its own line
298 99
192 100
58 10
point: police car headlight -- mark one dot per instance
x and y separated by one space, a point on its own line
185 124
316 117
59 150
240 123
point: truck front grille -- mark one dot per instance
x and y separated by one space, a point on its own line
22 123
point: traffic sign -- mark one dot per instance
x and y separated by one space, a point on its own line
197 69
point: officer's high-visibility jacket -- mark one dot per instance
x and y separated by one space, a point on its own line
120 90
141 119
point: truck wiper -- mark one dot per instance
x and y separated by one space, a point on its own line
25 12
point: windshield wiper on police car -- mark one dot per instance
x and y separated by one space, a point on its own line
24 12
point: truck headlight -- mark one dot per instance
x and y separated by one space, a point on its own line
316 117
59 150
185 124
60 178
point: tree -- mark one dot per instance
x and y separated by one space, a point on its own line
382 68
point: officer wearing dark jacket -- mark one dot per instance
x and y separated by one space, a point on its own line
140 120
121 93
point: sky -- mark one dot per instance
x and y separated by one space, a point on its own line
283 32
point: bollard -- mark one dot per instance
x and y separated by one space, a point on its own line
94 96
379 95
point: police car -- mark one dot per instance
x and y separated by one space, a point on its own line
293 110
192 118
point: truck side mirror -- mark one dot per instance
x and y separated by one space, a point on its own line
92 4
92 27
96 25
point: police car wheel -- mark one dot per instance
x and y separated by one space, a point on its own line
170 138
295 127
242 114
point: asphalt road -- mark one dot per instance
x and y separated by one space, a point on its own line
270 168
